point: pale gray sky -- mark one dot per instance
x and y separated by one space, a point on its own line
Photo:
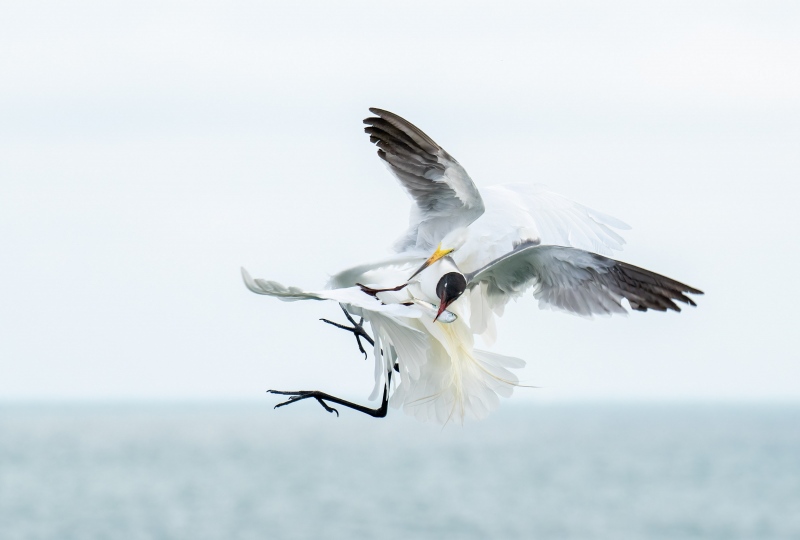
151 149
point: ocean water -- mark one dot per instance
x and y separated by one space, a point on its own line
245 471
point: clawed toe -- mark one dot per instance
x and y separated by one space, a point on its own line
301 395
357 330
327 407
322 398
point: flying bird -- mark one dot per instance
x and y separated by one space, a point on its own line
466 253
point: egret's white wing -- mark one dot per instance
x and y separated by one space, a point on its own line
350 296
393 337
396 341
444 195
393 269
278 290
577 281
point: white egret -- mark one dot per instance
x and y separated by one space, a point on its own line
465 254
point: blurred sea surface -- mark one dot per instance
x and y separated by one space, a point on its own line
547 471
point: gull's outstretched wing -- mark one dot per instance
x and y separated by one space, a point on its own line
577 281
518 213
444 195
557 220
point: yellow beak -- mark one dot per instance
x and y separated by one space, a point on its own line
438 254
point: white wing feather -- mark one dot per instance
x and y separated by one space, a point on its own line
564 222
350 296
518 213
394 339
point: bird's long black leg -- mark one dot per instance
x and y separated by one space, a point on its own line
322 398
357 329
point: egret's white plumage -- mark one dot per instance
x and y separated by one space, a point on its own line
489 246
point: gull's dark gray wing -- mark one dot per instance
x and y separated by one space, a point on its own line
578 281
444 195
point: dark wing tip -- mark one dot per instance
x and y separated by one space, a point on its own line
380 114
417 135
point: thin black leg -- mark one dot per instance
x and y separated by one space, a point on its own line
358 331
322 397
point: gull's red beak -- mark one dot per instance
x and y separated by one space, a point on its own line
442 307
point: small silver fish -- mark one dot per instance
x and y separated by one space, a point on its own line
446 317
